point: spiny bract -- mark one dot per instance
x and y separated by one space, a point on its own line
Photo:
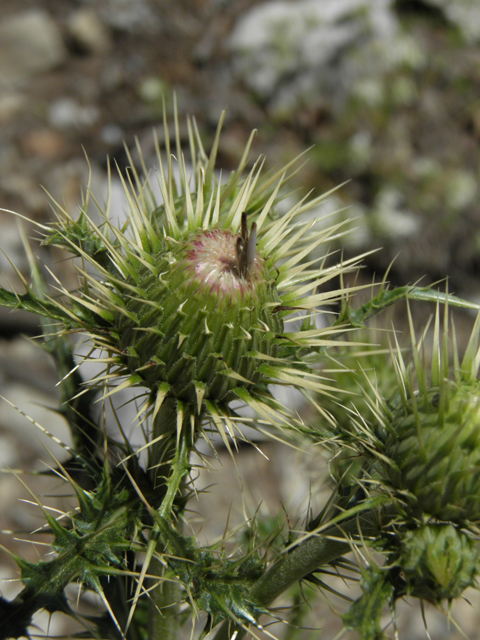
190 298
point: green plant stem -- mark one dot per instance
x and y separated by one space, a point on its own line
306 557
163 616
180 468
387 297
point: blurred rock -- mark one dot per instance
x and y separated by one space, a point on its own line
309 46
44 143
30 43
461 190
464 14
28 381
29 402
112 76
33 405
11 246
125 15
16 321
112 135
8 452
152 90
66 113
88 31
64 183
11 104
390 219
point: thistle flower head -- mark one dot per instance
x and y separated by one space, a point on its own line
212 305
190 298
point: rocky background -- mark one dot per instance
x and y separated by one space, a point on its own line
385 92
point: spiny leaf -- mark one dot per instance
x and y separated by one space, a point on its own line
30 302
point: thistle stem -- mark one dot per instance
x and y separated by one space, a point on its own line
306 557
163 616
180 468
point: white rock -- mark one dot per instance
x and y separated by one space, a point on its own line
30 43
390 219
66 113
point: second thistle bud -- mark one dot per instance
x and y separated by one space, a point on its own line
434 445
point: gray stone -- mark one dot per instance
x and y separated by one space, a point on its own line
66 113
125 15
28 389
25 188
112 134
30 43
295 53
8 453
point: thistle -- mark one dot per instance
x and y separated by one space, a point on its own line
418 456
204 299
191 298
431 433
